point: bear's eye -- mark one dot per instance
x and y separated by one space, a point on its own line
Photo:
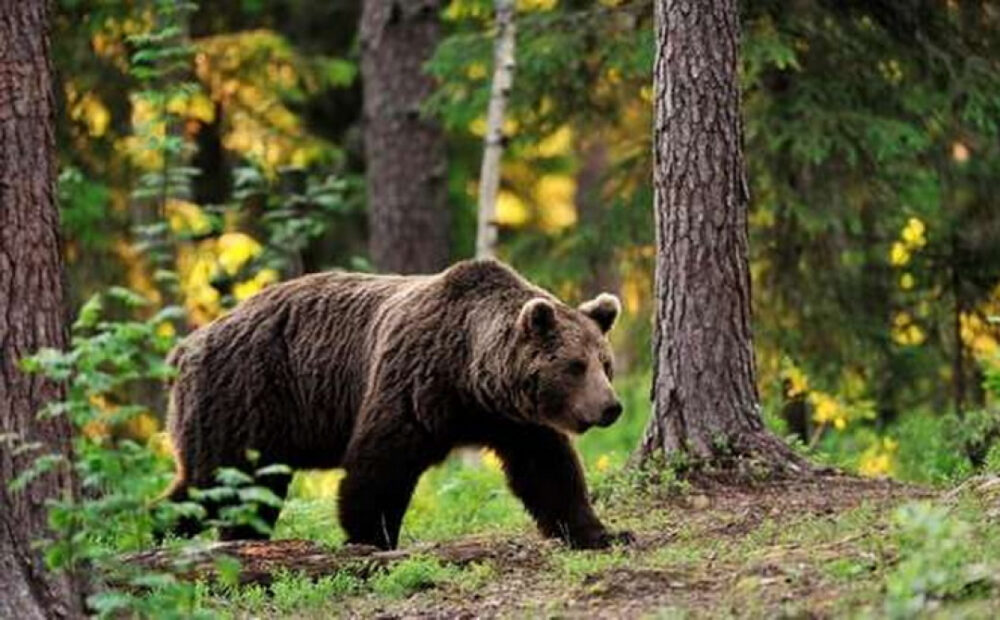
576 368
609 370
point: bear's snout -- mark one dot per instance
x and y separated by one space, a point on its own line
610 414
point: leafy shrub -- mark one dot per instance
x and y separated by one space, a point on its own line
120 477
936 551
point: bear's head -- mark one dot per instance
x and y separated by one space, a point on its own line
568 363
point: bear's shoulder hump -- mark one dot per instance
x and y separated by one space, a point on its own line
481 276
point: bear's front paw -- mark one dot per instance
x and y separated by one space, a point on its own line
601 540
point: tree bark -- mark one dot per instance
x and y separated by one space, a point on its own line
32 315
406 161
705 401
603 275
493 142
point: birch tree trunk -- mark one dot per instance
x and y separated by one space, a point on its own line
405 152
32 315
705 400
493 143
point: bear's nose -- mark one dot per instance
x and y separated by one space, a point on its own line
610 414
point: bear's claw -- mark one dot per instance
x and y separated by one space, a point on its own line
603 540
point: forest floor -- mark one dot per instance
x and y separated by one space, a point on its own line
831 547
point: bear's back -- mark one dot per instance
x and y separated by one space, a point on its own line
286 367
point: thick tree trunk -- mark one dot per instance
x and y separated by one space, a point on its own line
31 310
706 405
406 160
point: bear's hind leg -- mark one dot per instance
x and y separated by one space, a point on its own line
372 504
383 467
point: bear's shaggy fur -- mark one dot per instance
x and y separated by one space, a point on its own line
383 376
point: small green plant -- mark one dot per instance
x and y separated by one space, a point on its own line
241 497
412 575
936 561
474 576
298 593
577 565
625 484
991 465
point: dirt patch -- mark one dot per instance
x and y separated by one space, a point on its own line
717 550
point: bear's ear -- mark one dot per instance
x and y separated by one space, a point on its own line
538 316
603 309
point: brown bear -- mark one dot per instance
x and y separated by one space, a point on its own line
385 375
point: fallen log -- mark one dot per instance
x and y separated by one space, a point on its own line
259 561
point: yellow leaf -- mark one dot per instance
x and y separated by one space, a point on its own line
476 71
235 250
557 143
877 459
249 288
166 330
913 233
202 108
899 255
534 5
187 217
554 194
161 444
96 115
798 382
511 210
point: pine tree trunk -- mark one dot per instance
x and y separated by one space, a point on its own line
31 309
706 404
405 152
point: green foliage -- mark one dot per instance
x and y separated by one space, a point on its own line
106 359
299 594
293 212
119 478
412 575
932 448
83 206
935 561
454 498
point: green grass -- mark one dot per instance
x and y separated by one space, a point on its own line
411 575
